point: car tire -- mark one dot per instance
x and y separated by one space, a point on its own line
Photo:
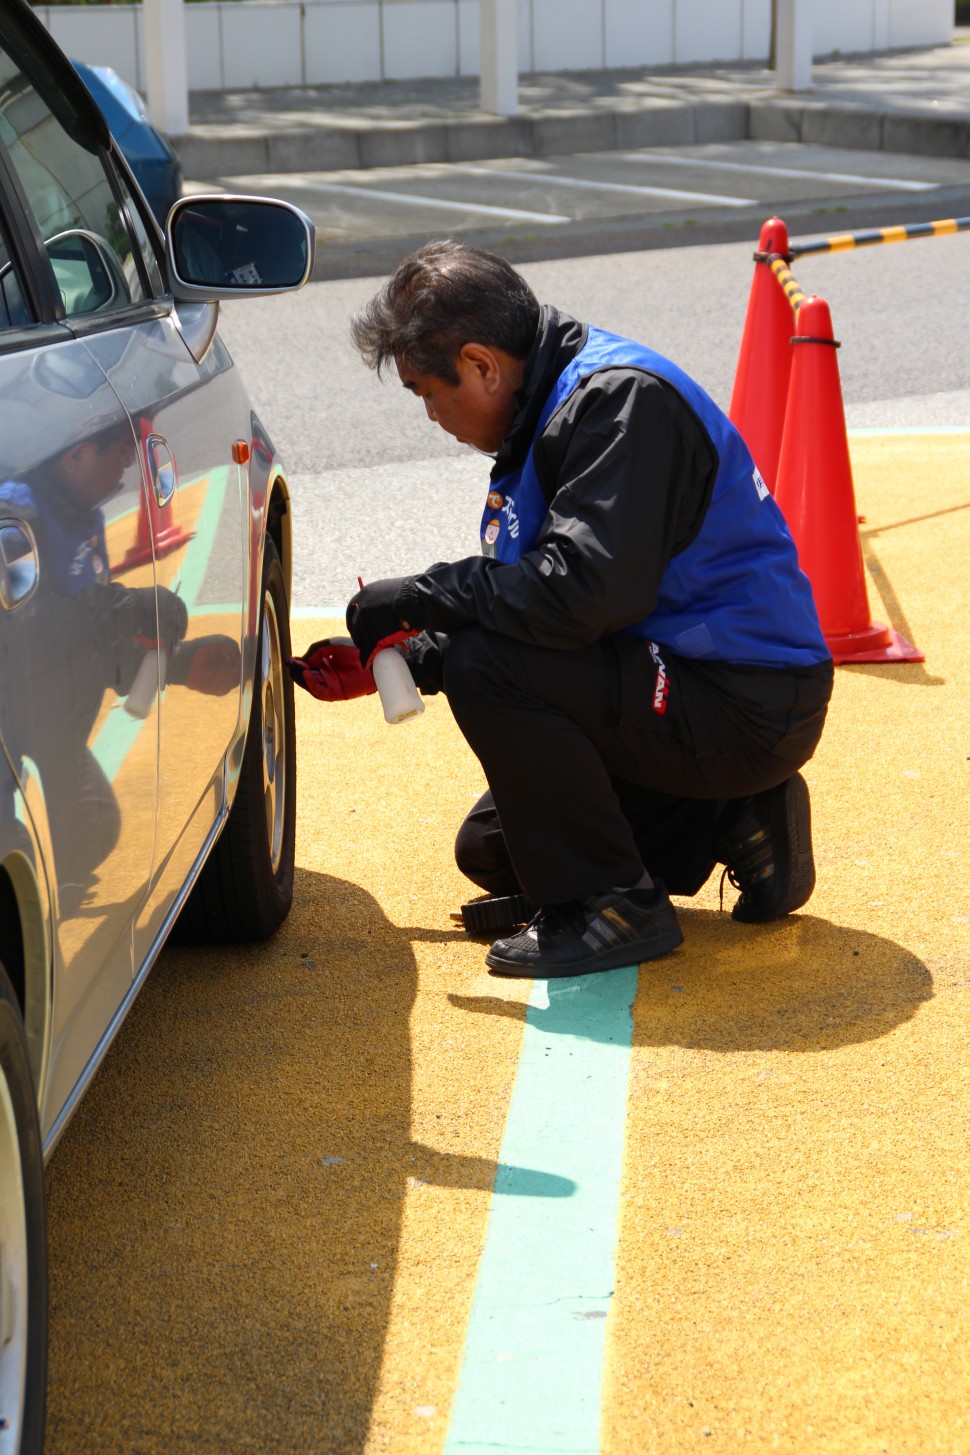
246 888
23 1242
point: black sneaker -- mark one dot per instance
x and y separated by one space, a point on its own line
618 927
766 844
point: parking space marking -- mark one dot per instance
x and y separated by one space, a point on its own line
897 183
713 199
416 199
531 1374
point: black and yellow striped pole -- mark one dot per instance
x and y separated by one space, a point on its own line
787 280
842 241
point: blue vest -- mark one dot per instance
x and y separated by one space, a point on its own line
75 553
736 593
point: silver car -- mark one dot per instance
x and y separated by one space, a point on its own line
147 750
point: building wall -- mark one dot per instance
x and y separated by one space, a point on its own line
264 43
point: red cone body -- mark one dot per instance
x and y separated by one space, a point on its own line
760 394
816 496
168 533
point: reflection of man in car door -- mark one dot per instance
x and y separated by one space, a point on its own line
80 615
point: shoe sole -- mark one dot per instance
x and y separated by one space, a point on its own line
497 912
617 959
797 825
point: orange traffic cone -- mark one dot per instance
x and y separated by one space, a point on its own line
157 534
760 393
816 496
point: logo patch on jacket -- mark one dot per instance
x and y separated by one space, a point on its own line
661 687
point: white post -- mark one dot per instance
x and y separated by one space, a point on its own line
166 69
499 31
793 45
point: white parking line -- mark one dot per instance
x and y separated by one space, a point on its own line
712 198
897 182
415 199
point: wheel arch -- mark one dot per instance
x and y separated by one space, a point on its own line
25 948
11 937
279 526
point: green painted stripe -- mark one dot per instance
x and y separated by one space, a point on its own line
120 730
533 1360
199 550
218 608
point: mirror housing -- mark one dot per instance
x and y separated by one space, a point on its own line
222 245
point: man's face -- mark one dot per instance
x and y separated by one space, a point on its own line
478 410
93 469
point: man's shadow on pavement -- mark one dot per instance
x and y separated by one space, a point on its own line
226 1207
800 984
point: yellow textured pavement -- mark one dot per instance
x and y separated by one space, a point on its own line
794 1263
267 1215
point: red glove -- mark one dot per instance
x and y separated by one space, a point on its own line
212 665
394 640
331 671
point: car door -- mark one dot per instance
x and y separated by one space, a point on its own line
78 624
188 417
193 421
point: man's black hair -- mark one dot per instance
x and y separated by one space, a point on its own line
439 298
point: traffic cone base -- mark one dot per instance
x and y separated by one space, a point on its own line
169 540
878 643
166 542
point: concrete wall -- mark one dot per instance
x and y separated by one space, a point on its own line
264 43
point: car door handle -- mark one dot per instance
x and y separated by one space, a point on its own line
161 468
19 563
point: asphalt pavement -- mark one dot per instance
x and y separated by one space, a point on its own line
914 100
376 165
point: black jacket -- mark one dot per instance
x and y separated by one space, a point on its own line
628 472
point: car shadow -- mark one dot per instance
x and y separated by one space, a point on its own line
225 1208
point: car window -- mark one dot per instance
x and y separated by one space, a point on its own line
13 310
149 254
70 197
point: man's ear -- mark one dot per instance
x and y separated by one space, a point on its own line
482 362
73 456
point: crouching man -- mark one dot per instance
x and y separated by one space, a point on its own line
635 657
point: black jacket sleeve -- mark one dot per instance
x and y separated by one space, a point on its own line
628 472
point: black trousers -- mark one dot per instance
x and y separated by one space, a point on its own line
614 758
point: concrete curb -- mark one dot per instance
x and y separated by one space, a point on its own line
859 127
337 146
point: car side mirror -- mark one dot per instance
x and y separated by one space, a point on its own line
225 246
87 272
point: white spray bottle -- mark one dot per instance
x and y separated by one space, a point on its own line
398 694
